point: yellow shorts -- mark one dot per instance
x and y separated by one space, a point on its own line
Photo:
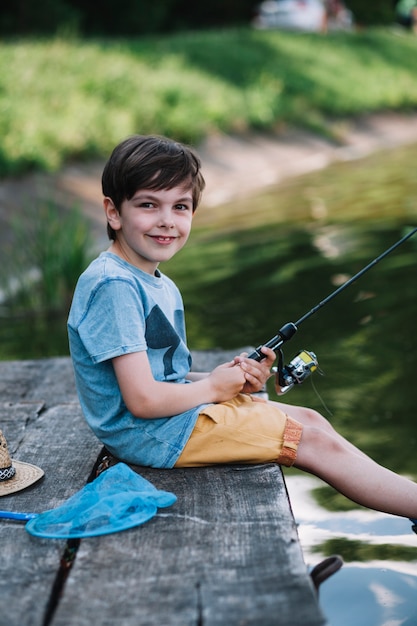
242 431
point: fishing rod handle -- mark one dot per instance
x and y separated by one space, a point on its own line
284 334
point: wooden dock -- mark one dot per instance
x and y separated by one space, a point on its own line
225 554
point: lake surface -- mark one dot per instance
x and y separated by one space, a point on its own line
252 266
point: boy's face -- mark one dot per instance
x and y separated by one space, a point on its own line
152 226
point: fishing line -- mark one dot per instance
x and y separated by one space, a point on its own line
320 397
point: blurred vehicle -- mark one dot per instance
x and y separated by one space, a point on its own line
303 15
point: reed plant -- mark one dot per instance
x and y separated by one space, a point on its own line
49 249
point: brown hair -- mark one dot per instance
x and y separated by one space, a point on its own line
150 162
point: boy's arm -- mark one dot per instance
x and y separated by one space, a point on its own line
148 398
194 376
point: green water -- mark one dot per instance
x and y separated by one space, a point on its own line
252 266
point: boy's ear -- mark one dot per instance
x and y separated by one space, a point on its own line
112 214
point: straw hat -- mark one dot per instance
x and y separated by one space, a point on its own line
15 475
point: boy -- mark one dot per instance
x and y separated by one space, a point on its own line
132 366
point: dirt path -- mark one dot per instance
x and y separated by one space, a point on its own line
233 166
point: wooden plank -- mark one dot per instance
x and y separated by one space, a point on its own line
56 438
226 553
48 380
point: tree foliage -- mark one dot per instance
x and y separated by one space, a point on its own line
130 17
375 12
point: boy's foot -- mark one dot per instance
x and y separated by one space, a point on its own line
414 526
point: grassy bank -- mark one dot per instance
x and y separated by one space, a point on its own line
72 99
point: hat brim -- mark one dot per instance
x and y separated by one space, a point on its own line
26 475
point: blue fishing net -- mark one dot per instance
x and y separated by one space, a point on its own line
118 499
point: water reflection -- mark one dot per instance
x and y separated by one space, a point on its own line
33 335
378 591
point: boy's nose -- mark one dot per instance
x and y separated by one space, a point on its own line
167 219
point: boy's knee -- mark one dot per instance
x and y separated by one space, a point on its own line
313 449
321 442
316 419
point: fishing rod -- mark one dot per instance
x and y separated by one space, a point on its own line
305 362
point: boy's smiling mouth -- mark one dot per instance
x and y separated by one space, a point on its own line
162 239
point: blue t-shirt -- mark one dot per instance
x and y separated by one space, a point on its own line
118 309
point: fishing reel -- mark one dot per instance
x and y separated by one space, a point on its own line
301 367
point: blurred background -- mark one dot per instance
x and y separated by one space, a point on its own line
305 115
139 17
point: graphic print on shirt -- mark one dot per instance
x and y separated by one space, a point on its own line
161 334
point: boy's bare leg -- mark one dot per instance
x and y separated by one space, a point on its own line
310 417
326 454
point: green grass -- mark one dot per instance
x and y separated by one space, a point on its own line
66 99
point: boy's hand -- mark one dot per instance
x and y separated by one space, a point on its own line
256 372
227 381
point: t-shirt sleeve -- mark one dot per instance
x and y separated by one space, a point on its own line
114 321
